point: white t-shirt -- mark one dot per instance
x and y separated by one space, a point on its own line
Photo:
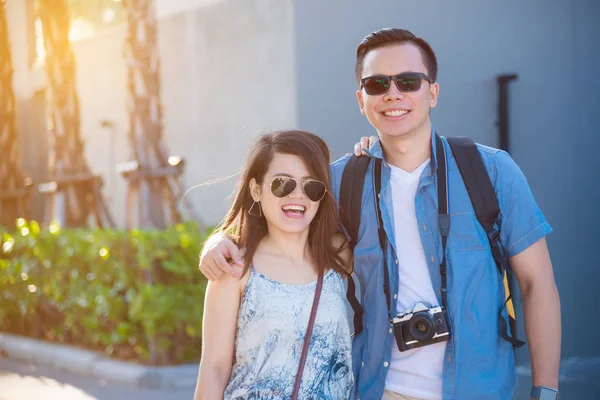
416 372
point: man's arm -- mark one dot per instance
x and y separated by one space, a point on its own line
219 255
522 234
541 305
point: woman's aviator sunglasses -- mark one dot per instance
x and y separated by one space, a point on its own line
405 82
282 186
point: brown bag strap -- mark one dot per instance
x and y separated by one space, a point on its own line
309 330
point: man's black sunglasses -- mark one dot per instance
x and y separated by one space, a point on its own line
405 82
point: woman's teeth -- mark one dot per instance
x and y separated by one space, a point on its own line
294 211
294 208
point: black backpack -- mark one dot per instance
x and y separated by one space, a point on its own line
483 198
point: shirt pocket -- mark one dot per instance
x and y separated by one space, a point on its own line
466 233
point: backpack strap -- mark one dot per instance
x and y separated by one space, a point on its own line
483 198
351 189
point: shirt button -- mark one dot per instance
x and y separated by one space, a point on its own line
391 330
432 258
385 364
396 261
424 227
395 296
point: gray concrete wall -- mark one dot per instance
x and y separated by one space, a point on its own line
228 73
221 85
552 46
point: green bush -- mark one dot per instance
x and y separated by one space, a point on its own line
134 295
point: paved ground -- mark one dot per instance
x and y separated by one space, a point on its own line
19 381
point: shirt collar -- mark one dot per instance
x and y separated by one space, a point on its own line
376 150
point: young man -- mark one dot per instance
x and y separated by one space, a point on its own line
396 73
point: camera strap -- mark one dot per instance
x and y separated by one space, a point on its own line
443 216
382 236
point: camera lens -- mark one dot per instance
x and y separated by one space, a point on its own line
422 326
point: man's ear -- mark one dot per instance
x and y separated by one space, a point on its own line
434 92
361 103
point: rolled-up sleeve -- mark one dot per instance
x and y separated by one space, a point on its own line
522 221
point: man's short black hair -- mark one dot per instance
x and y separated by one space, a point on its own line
389 36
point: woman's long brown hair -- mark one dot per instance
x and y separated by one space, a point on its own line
248 230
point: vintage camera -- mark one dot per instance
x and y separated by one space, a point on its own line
421 326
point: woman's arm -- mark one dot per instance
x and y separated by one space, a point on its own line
221 307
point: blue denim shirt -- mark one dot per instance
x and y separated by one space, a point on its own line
479 364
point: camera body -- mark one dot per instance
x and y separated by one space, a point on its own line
421 326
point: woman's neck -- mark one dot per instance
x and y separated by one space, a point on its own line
291 246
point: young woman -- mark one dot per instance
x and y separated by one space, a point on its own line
254 328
